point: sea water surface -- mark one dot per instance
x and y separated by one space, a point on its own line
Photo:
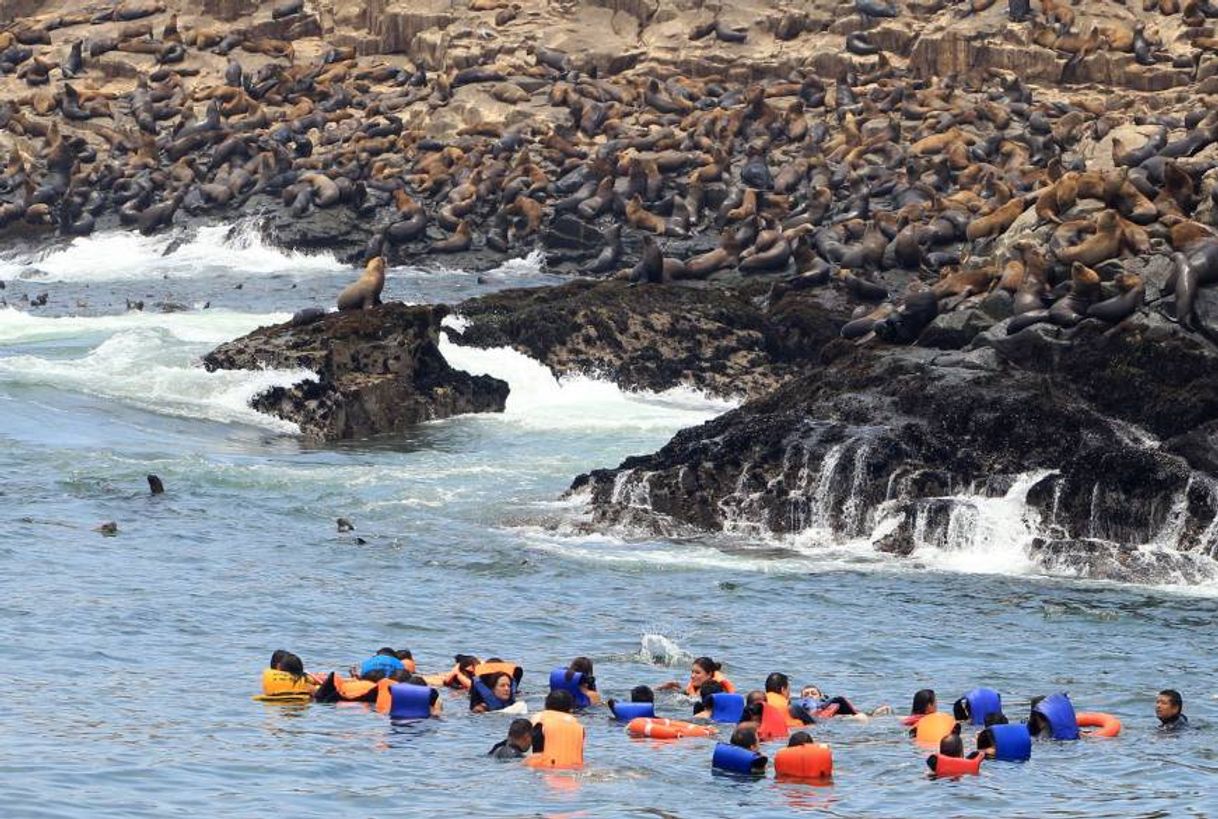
130 660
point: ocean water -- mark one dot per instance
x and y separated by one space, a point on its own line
130 660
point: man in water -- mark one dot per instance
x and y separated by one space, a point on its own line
518 743
1168 708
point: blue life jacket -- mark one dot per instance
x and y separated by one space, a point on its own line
559 682
981 703
492 702
810 704
1059 711
727 707
626 711
381 662
1012 743
410 701
734 759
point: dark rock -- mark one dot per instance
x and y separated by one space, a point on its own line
378 371
953 331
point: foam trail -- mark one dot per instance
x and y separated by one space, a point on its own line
148 361
659 649
539 400
215 250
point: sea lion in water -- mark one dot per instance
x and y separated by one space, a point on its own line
365 292
1194 268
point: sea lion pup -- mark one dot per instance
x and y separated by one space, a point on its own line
1100 246
1194 268
365 292
1131 296
997 221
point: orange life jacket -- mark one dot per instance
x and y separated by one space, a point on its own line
956 766
773 723
453 678
934 727
564 741
810 761
280 686
354 689
511 669
718 677
784 705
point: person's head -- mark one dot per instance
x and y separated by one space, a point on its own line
799 738
745 738
985 742
996 718
401 675
812 692
641 693
520 734
709 688
777 683
387 652
291 664
560 700
277 657
1038 723
951 745
701 670
501 686
923 702
466 663
1168 704
580 665
417 679
403 655
754 697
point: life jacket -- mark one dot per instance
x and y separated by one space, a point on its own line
480 684
380 662
409 701
1059 711
773 723
667 729
355 690
560 682
726 707
734 759
911 720
562 741
784 705
626 711
808 761
978 704
280 686
944 766
1012 743
511 669
934 727
718 677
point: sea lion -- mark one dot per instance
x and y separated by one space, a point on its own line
155 485
1194 268
1132 294
650 268
905 324
1100 246
307 315
365 292
638 216
461 240
609 257
1072 308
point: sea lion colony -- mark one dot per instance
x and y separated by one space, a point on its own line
913 194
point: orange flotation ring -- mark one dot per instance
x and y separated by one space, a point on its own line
1108 725
810 761
934 727
563 740
656 728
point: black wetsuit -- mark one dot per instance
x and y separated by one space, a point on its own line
1177 723
505 750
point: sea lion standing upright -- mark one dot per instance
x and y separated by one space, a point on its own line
365 292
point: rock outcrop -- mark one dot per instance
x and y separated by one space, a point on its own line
379 372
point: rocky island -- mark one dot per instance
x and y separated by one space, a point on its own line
938 250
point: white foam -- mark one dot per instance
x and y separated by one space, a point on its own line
216 250
195 327
538 400
149 361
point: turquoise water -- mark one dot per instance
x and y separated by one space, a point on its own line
131 659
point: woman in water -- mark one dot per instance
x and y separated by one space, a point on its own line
587 685
499 686
702 670
923 703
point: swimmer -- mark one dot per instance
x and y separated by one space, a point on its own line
923 703
437 707
499 687
704 706
518 743
702 669
385 661
814 700
799 738
640 694
460 676
746 738
286 680
587 685
778 694
1169 708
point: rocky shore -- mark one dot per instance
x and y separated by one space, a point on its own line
940 250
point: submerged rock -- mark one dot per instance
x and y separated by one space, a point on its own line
378 371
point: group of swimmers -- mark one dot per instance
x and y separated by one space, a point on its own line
554 738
